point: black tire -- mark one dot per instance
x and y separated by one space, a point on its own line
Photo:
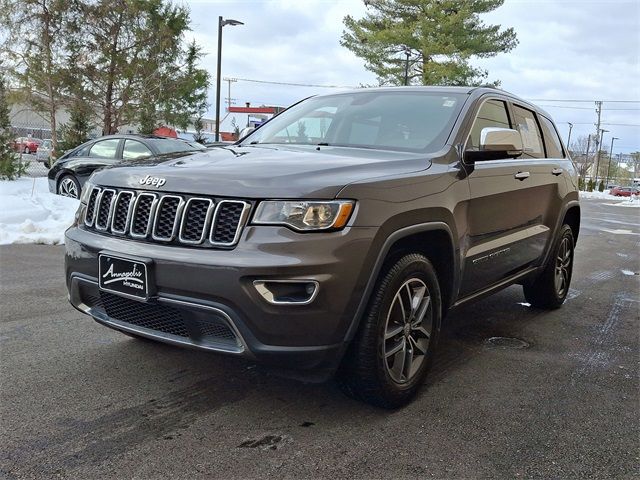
365 372
68 186
545 291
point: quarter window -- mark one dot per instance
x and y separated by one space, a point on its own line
105 148
530 132
493 113
134 149
551 138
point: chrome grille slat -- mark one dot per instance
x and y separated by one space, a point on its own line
195 220
228 222
121 216
92 205
142 219
105 209
166 218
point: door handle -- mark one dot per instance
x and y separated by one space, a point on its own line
556 171
521 175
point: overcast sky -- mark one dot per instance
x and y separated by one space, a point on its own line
568 50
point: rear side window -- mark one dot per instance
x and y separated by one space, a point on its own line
551 138
493 113
134 149
526 122
105 148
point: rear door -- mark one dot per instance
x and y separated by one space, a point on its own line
97 155
509 217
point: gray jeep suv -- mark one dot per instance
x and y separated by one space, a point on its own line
336 237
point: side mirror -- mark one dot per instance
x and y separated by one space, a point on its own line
497 143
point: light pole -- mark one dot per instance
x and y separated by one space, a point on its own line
569 136
599 146
221 23
610 159
407 52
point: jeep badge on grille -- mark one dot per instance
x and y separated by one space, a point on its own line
153 181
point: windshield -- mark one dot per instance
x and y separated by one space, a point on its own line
401 120
168 145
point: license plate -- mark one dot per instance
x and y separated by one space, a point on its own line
123 276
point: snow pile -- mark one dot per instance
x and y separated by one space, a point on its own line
30 214
632 201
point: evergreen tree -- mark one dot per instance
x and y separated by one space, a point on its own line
439 36
10 165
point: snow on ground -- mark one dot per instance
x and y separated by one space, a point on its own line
633 201
30 214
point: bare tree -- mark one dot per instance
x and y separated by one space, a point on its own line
582 152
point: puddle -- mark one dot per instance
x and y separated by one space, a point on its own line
506 342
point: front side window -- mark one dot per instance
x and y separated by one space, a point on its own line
551 138
134 149
531 136
105 148
407 121
492 114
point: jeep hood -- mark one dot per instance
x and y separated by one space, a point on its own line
264 171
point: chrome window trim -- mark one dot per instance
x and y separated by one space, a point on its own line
95 208
110 213
129 211
176 220
207 221
244 217
151 214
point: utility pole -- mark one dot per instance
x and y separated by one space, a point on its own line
598 140
586 159
602 131
407 52
229 81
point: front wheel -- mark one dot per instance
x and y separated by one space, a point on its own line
392 352
549 290
68 186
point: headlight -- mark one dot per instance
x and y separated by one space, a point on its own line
304 215
86 191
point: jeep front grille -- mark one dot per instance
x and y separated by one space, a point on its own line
166 218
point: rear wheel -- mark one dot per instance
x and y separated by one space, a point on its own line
550 289
392 352
68 186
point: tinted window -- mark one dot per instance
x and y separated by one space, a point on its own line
493 113
412 121
526 123
105 148
551 138
133 149
168 145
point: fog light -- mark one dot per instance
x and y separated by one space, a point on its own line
287 292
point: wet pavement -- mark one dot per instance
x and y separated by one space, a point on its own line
514 391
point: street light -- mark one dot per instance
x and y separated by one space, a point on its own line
221 23
610 159
407 52
569 137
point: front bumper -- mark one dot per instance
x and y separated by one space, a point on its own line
205 287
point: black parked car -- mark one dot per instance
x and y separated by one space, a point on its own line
71 170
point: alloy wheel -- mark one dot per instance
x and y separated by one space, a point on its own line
563 265
68 188
408 330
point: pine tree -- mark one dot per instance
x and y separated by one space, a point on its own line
439 36
10 165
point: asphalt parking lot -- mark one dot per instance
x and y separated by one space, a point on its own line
559 401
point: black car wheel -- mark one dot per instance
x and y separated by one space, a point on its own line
391 354
68 186
549 290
